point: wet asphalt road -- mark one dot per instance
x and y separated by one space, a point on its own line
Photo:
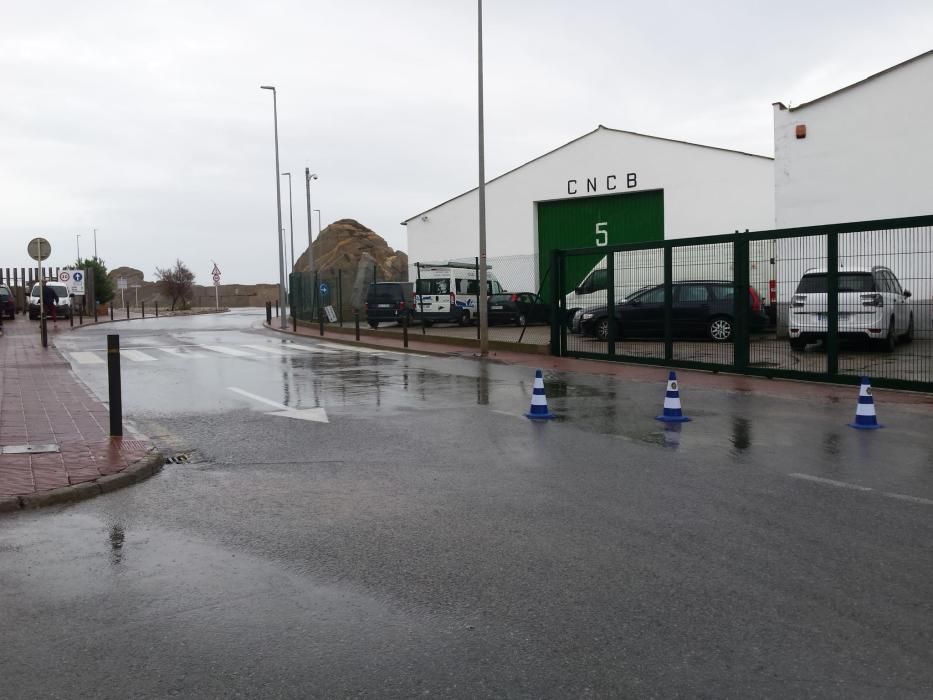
430 540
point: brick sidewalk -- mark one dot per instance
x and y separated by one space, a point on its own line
42 403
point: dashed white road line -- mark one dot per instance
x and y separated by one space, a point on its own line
857 487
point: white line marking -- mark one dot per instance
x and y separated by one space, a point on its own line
856 487
271 349
178 352
912 499
365 351
310 348
87 358
225 350
831 482
137 356
261 399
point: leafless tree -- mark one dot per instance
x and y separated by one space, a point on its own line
176 283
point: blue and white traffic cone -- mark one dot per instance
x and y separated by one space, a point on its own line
672 411
538 410
865 418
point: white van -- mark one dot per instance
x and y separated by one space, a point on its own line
448 292
63 308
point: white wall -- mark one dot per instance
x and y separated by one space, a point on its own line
867 152
706 191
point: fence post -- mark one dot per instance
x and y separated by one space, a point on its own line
113 381
668 302
740 334
269 312
832 304
356 322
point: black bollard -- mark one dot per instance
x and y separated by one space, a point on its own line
111 314
321 322
71 317
405 330
143 307
127 312
276 308
113 381
157 309
294 324
269 312
356 323
81 316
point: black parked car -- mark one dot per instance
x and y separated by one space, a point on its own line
520 308
388 302
7 303
701 308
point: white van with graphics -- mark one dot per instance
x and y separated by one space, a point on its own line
448 292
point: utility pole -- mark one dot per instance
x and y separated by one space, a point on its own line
483 296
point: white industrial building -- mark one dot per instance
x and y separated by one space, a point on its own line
640 188
860 153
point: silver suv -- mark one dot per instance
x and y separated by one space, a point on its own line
872 305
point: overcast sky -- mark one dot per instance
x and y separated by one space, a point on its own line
144 119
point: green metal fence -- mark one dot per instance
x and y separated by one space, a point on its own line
827 303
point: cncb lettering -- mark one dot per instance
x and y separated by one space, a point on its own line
610 183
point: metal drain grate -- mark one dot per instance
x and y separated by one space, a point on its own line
180 458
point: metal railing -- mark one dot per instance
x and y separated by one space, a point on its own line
827 303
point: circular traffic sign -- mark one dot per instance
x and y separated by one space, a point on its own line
78 276
64 276
324 287
217 277
39 249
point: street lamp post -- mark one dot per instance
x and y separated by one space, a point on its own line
483 303
278 205
78 241
95 244
308 177
291 221
318 211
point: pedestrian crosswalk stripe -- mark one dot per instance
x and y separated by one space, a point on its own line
310 348
271 349
365 351
87 358
137 356
178 352
225 350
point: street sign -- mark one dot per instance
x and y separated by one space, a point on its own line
121 283
73 281
216 278
331 314
215 271
39 249
324 288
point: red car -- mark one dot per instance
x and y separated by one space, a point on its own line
7 303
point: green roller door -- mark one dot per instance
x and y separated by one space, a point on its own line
585 222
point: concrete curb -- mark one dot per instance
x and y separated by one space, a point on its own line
133 474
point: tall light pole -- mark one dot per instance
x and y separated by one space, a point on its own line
78 241
483 297
291 221
309 176
278 205
318 222
95 244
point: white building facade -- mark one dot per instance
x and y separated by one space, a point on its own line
860 153
640 188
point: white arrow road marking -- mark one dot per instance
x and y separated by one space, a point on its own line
319 415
